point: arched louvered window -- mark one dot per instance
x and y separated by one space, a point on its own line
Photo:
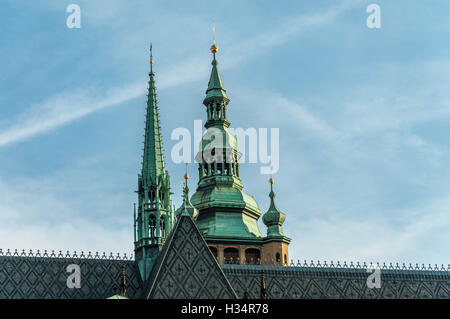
231 255
252 256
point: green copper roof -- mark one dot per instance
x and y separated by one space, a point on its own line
117 297
153 160
273 218
215 87
154 217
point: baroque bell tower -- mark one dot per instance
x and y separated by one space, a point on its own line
227 216
154 217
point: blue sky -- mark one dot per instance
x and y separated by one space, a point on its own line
363 117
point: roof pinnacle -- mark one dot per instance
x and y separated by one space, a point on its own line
263 290
273 218
186 209
215 92
186 175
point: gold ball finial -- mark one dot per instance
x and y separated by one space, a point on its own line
214 48
186 176
271 181
151 54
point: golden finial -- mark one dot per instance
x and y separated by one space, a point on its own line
271 179
214 47
186 175
151 55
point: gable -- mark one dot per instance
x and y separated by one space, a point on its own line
186 268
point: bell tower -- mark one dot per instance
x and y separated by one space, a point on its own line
154 218
227 216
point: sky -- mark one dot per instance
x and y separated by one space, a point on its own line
363 118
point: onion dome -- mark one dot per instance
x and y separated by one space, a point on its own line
273 218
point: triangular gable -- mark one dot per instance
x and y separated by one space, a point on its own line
186 268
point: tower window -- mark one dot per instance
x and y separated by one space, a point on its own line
252 256
152 227
231 255
163 226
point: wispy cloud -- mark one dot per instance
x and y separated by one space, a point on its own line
63 109
67 107
370 184
286 31
294 113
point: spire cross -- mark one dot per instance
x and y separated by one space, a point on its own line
271 179
214 47
151 58
186 176
185 192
